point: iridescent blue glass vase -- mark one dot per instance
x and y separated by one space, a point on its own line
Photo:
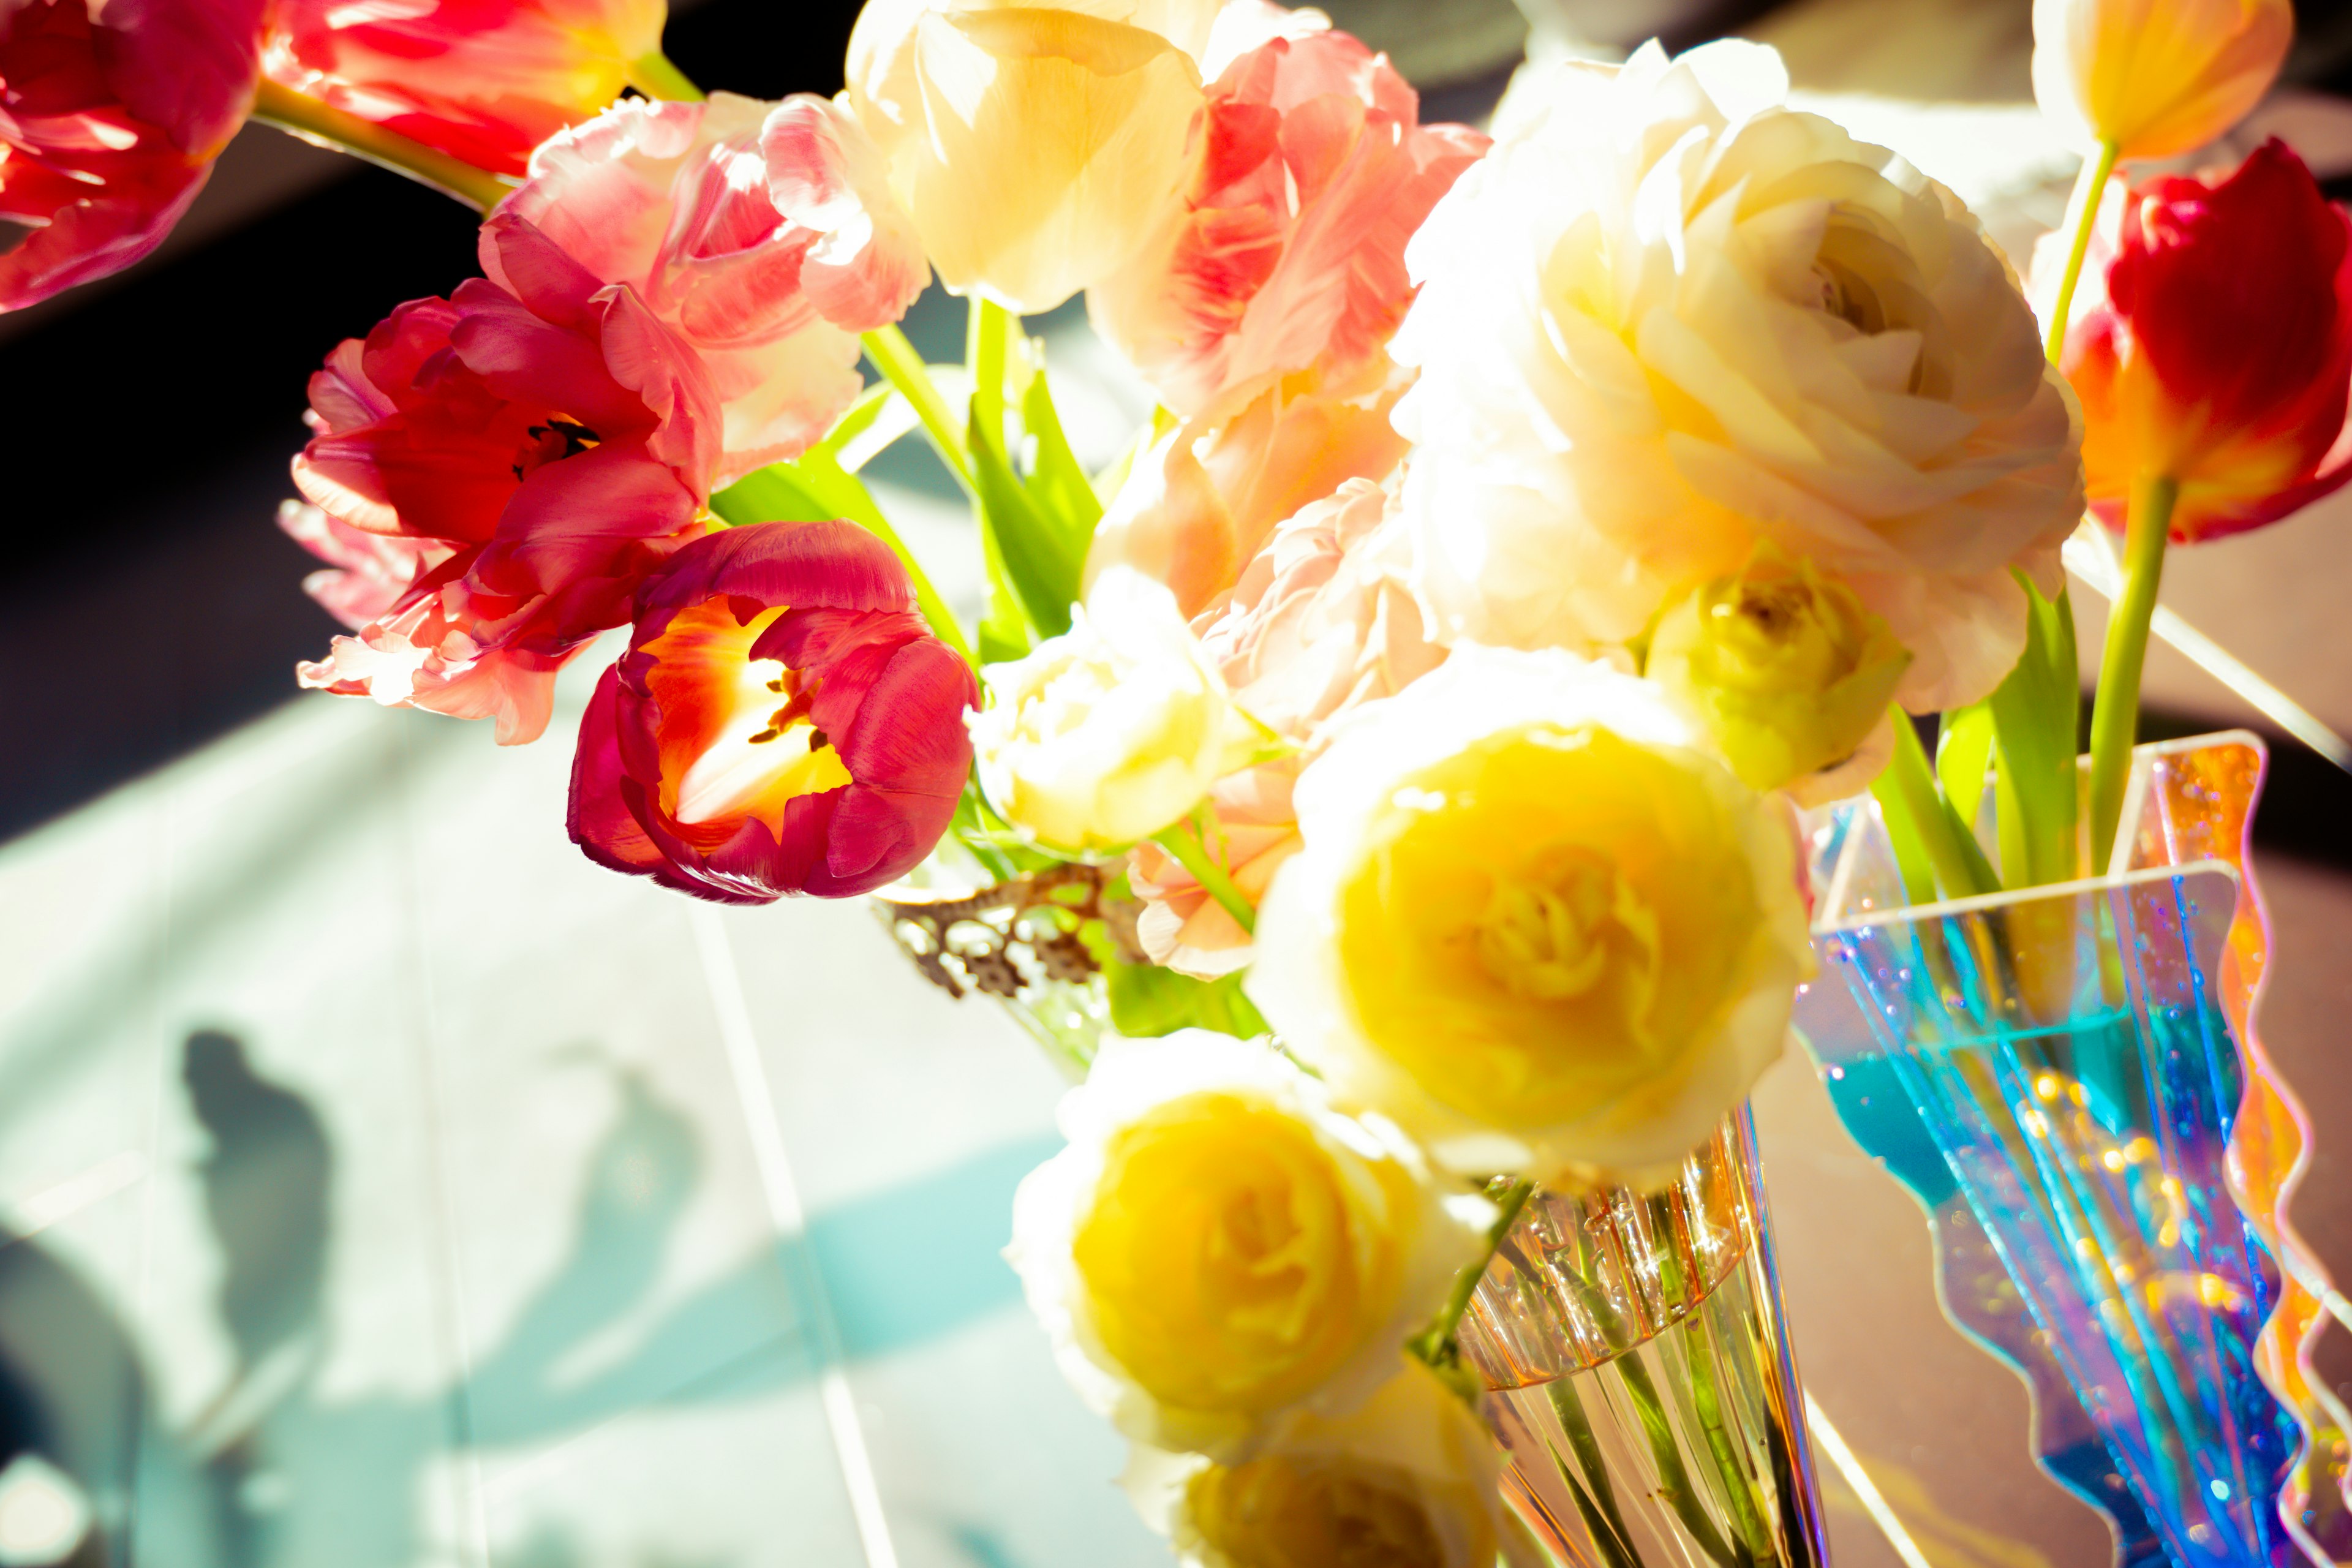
2053 1074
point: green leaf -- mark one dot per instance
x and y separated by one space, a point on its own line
1963 757
2035 714
1040 563
1148 1001
1056 482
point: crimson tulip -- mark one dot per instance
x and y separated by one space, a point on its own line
557 438
110 121
782 722
2217 353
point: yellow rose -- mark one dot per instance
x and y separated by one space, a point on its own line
1407 1481
1034 146
1788 674
2157 77
1114 729
1534 921
1218 1248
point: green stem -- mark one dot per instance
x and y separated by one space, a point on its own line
888 350
325 126
2087 192
1437 1342
1908 789
1189 844
2114 714
655 77
984 345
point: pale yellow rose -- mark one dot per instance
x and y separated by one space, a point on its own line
2157 78
1666 317
1218 1250
1114 729
1034 146
1535 922
1788 675
1409 1480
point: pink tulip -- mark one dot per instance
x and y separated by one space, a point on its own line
783 721
764 234
366 573
483 80
1288 251
1321 622
1200 501
108 125
556 441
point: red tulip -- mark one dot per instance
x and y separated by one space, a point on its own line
783 721
108 127
483 80
557 439
2219 354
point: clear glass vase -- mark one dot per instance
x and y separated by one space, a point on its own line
2056 1074
1640 1376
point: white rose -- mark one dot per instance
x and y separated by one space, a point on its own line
1113 730
1667 316
1219 1249
1410 1478
1534 921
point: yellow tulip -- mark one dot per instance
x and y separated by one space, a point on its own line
1786 670
1033 145
2156 78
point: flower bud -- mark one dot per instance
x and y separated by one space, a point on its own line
2155 77
1786 670
1034 146
1113 730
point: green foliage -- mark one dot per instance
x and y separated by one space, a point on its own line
2035 713
1963 757
1147 1001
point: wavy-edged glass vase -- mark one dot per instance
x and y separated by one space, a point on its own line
1640 1375
2067 1079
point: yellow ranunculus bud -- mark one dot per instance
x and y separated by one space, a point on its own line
1034 146
1218 1248
2157 77
1788 673
1407 1481
1534 921
1113 730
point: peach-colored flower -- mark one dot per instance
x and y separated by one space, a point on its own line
765 233
366 573
1203 499
1288 249
1322 621
2155 77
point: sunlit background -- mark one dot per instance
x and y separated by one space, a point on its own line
381 1184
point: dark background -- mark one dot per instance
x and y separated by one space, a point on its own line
147 603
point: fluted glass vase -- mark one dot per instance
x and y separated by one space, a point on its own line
2057 1074
1640 1376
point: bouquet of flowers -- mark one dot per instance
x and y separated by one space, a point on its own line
1394 762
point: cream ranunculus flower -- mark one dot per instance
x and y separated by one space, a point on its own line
1111 731
1665 317
1409 1480
1218 1249
1533 922
2157 78
1034 146
1788 675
